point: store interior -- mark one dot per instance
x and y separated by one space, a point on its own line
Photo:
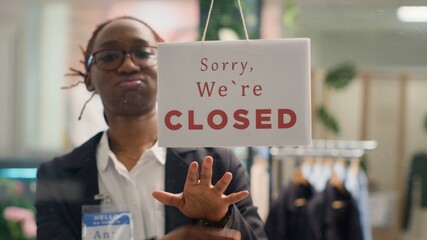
368 94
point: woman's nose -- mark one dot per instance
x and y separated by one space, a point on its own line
128 65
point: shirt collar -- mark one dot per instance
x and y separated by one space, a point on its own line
159 152
104 152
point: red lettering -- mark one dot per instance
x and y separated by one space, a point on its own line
222 91
218 119
168 122
240 116
222 124
243 90
202 61
281 118
257 90
233 64
191 124
214 66
260 117
205 88
224 65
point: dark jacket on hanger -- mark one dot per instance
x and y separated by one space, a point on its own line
417 170
288 216
334 215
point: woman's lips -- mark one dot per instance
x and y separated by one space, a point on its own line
131 84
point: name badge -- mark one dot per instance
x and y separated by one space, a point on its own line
107 225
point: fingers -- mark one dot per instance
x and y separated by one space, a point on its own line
206 174
205 180
168 199
193 175
236 197
223 183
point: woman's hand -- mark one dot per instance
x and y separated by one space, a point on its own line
200 199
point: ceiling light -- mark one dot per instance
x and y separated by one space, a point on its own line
412 13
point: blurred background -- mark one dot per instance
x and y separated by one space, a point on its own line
369 86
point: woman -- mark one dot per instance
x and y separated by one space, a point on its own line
124 163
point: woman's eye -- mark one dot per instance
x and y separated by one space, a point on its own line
142 53
108 57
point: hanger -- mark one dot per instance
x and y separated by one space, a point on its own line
341 162
309 161
329 162
355 165
300 180
335 180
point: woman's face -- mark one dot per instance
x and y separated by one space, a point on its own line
131 88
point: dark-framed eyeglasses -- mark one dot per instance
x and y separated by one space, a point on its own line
111 59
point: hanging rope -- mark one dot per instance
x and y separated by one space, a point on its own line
209 16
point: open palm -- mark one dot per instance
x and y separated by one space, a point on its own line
201 199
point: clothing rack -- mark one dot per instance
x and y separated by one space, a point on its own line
343 149
326 148
328 152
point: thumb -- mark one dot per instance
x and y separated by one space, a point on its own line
168 199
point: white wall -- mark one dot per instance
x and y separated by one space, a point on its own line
54 35
7 83
372 50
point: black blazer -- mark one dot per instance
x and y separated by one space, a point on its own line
417 171
288 220
334 223
66 183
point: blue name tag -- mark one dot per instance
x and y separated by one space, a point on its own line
107 225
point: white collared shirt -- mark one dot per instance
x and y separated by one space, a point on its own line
131 190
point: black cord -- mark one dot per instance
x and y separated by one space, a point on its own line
84 106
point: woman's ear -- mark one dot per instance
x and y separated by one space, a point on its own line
88 83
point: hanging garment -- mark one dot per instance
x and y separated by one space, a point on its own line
417 229
357 184
334 215
288 216
320 174
418 169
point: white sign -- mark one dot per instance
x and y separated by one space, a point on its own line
234 93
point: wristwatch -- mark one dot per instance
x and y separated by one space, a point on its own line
219 224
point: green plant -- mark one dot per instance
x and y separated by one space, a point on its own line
290 15
337 77
341 75
327 119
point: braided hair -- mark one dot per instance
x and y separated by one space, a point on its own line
89 48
